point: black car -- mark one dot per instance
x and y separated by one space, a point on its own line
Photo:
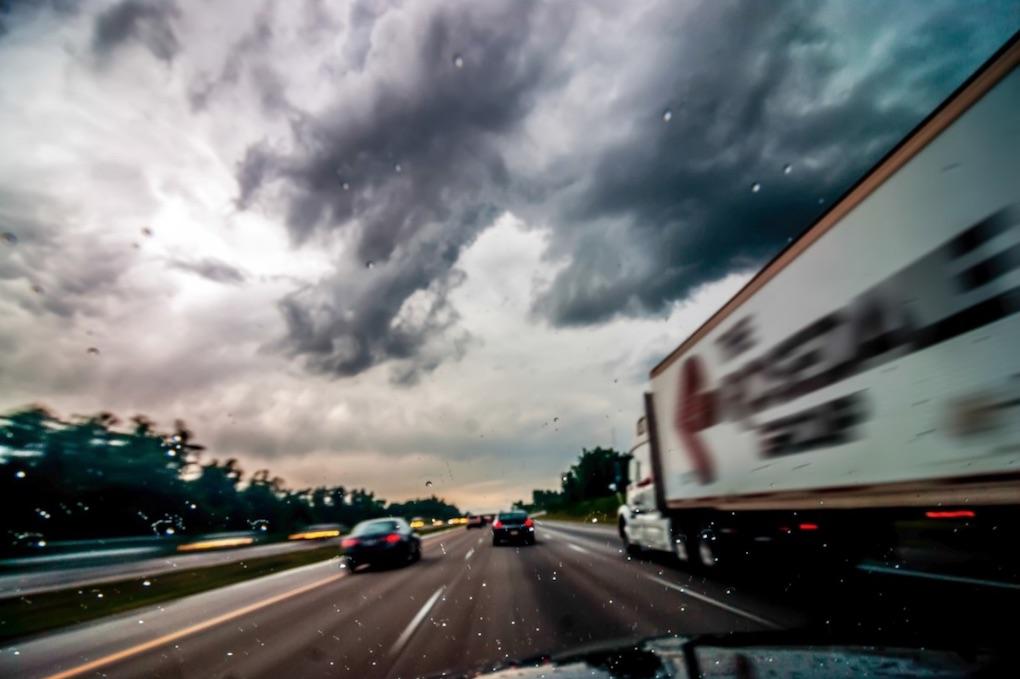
378 541
513 526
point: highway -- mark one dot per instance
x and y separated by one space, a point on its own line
465 605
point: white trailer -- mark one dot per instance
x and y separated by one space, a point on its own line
869 375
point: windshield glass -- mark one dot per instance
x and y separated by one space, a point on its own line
635 319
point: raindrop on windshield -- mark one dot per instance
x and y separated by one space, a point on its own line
146 583
667 115
36 288
556 419
755 187
146 231
428 484
10 238
19 474
346 186
370 264
787 169
94 351
397 168
458 61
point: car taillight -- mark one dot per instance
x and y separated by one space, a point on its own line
348 542
392 537
497 524
528 523
808 526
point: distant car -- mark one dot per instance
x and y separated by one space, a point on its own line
417 522
515 526
379 541
487 518
475 521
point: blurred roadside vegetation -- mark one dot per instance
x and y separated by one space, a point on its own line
589 490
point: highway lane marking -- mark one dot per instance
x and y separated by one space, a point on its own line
578 548
470 552
198 627
415 621
937 576
715 602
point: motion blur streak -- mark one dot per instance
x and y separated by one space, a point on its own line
314 535
174 636
214 544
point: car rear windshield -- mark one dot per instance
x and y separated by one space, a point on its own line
513 516
376 527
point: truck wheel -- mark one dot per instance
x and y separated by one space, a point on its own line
629 547
708 549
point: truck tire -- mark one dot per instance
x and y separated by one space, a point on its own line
708 549
629 547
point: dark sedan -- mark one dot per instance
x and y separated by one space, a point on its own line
381 541
513 527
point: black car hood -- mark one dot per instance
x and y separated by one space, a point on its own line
719 657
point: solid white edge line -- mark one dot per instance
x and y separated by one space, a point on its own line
937 576
469 553
714 602
415 621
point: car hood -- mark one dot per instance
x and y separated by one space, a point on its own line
718 657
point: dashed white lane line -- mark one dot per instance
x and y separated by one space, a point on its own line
715 602
469 553
577 548
405 636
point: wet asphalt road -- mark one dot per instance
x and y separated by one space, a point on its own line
465 605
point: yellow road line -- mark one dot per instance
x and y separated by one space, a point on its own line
173 636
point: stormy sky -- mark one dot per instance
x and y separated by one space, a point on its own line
383 242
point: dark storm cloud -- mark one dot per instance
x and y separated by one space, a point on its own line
412 176
679 194
150 22
211 269
417 165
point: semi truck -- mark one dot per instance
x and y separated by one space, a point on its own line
862 391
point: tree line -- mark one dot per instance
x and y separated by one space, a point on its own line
598 473
98 477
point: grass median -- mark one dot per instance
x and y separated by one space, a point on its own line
32 614
599 511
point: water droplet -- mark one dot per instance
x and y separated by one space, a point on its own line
141 622
556 419
146 583
41 543
428 484
397 168
667 115
230 653
10 238
99 596
821 200
756 187
146 231
94 351
346 186
787 169
594 519
19 474
458 61
170 530
37 289
729 590
370 264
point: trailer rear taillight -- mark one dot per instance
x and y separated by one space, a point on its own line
953 514
808 526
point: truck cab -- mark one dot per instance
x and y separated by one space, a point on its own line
641 523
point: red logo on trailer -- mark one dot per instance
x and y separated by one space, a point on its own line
695 411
